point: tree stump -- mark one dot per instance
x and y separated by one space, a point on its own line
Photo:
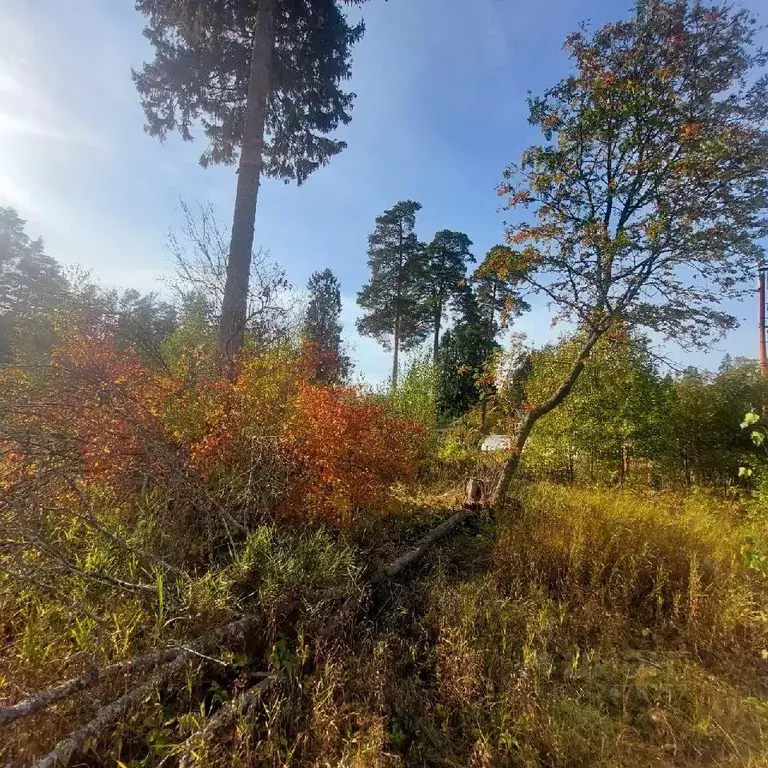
475 493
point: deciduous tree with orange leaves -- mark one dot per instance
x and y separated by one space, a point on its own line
645 205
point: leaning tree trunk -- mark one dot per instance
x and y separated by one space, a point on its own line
234 308
534 415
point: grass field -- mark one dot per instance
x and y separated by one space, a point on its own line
583 628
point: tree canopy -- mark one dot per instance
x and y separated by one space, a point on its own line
31 283
465 350
200 72
497 292
446 260
393 297
647 200
264 81
322 326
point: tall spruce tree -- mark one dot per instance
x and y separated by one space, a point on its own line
322 326
393 298
446 262
263 81
464 350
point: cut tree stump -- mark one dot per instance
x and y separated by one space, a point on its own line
475 493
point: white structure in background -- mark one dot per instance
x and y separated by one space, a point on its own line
494 443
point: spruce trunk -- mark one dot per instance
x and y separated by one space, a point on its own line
234 308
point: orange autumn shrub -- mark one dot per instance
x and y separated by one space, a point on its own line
85 448
214 453
94 414
221 419
350 450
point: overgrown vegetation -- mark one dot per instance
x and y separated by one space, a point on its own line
211 537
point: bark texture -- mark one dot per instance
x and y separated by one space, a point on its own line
41 700
397 566
234 309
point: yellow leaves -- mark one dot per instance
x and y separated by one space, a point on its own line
521 236
550 122
607 78
654 229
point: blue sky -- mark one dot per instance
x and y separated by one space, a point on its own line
440 111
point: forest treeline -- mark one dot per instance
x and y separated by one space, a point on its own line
629 417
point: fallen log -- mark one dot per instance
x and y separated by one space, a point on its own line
407 559
108 715
223 717
171 661
41 700
122 706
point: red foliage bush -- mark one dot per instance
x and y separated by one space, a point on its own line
350 450
94 414
272 441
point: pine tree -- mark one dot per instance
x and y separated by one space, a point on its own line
263 80
144 322
393 298
446 264
322 327
31 284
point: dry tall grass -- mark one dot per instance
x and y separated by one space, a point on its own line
592 628
600 628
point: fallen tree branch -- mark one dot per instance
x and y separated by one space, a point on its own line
108 715
44 699
228 711
98 578
122 706
171 661
397 566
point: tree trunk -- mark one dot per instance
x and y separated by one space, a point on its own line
234 308
491 334
396 346
533 416
762 356
398 298
436 340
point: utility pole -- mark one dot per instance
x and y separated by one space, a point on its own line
761 352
